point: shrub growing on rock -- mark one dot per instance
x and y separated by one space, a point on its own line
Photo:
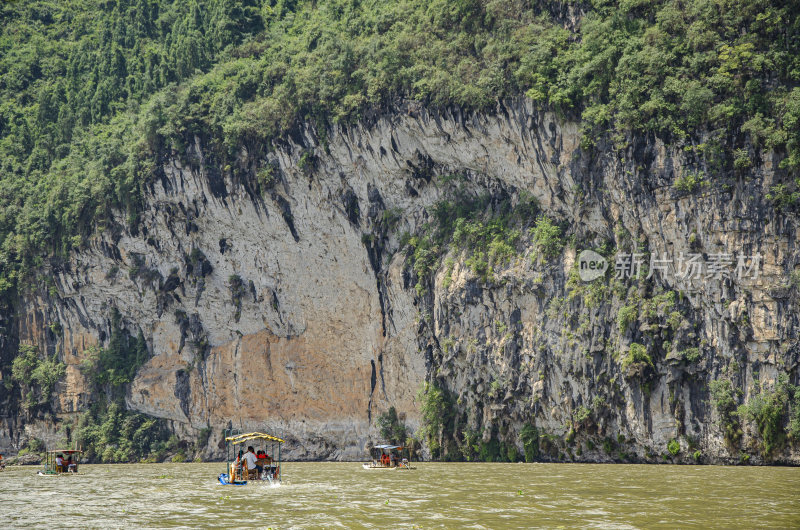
674 447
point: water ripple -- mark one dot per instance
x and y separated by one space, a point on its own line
342 495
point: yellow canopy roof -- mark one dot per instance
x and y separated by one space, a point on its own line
242 438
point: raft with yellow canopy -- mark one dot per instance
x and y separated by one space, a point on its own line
236 471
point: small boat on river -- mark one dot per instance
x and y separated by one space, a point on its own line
388 457
265 467
61 462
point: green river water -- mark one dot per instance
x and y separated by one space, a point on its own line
434 495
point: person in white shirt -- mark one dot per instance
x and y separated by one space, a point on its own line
59 463
251 459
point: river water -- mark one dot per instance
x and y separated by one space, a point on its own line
434 495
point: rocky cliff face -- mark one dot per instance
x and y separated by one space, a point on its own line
296 305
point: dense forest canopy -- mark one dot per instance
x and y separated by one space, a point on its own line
94 93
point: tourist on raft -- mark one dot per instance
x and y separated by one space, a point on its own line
251 459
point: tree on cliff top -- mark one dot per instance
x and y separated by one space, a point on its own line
95 93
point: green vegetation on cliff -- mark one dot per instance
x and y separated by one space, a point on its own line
774 412
115 366
392 429
769 408
436 408
487 230
108 433
95 92
37 377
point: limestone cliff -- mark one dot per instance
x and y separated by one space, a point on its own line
294 306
